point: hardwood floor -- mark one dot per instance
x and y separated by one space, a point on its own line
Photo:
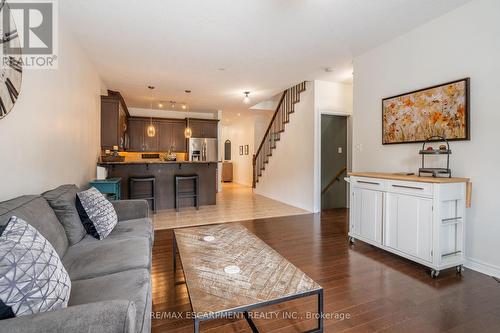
366 289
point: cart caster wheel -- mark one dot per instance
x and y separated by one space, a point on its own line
460 269
434 273
351 240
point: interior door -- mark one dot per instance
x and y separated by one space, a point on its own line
367 217
409 225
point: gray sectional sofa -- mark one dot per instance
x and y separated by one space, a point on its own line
111 278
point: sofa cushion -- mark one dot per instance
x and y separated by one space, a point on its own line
96 212
63 201
134 285
133 228
36 211
89 259
33 278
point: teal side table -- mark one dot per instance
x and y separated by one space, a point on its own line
110 186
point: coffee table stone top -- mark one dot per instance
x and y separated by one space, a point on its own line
209 254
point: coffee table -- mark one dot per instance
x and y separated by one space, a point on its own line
229 271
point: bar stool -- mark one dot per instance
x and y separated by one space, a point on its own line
187 194
143 179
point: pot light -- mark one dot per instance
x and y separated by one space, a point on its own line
246 99
160 105
172 104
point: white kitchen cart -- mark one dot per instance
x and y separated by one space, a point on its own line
418 218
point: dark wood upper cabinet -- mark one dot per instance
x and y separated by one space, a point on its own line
114 123
179 141
203 128
164 131
136 134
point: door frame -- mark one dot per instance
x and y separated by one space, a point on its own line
317 153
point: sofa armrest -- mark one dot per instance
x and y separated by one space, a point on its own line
104 317
131 209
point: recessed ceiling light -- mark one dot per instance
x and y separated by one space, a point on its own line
172 104
160 105
246 99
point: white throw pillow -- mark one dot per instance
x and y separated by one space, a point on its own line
97 214
32 276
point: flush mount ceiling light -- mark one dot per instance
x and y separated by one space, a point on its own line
246 99
151 130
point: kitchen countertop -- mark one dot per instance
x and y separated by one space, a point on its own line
154 162
411 178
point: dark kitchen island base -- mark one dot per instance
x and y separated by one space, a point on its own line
164 173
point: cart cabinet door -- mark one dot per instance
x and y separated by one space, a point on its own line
408 225
367 219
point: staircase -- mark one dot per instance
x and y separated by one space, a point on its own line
281 117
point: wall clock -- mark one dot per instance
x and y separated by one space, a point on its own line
11 71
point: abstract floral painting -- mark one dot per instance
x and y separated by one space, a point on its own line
441 110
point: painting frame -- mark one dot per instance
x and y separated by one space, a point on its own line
466 81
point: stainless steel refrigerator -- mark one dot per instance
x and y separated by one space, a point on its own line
203 150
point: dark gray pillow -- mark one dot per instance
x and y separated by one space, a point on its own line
97 214
32 276
63 201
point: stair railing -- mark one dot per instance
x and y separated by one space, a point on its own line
276 126
334 179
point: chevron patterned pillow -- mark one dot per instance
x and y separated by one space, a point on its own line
32 276
97 214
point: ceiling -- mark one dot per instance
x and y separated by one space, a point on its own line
221 48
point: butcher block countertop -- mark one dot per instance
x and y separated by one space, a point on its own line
411 178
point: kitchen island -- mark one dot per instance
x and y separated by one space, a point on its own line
164 173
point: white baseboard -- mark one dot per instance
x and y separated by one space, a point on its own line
482 267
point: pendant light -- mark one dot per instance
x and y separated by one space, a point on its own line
151 130
187 131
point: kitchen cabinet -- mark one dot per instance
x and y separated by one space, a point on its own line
178 139
418 218
164 131
409 225
203 128
114 122
367 214
169 134
136 134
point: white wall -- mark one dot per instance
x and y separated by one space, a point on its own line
462 43
51 136
289 175
241 132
